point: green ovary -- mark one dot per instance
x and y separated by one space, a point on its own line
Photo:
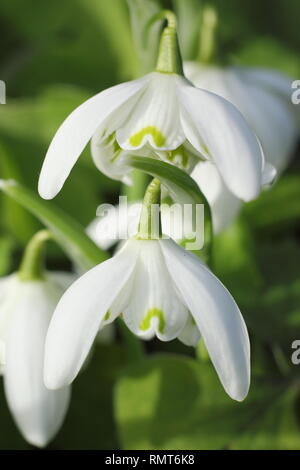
159 139
153 312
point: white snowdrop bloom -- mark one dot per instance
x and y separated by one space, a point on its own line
264 98
26 308
160 115
160 290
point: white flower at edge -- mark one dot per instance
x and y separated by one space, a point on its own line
160 115
263 97
160 289
26 308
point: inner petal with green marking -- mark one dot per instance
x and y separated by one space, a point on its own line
152 313
159 139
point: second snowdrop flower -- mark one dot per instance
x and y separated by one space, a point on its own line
160 290
161 115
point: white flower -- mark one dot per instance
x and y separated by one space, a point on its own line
160 289
26 308
264 98
161 115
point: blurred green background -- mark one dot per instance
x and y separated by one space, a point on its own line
53 56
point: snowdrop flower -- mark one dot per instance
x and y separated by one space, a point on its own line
25 312
161 290
163 115
26 307
264 98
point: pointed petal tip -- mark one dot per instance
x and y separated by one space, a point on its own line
238 393
53 381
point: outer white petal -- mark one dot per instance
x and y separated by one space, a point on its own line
262 96
79 315
7 296
155 118
224 205
37 411
232 146
75 132
269 174
270 79
216 315
153 306
269 116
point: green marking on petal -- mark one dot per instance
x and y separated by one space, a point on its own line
107 315
159 139
153 312
181 154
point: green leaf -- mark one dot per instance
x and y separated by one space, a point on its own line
89 422
112 17
146 42
189 22
67 232
235 262
278 208
172 402
182 188
6 252
14 218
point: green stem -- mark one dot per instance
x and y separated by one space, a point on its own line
135 349
137 190
207 46
150 223
32 264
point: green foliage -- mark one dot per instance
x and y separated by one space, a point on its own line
172 402
54 55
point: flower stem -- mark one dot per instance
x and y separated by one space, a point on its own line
135 349
32 264
150 221
137 190
207 46
169 56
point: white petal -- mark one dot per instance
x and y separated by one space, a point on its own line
269 174
270 79
154 307
8 287
37 411
224 205
79 315
190 335
216 315
75 132
117 222
271 120
155 118
209 119
110 158
262 96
